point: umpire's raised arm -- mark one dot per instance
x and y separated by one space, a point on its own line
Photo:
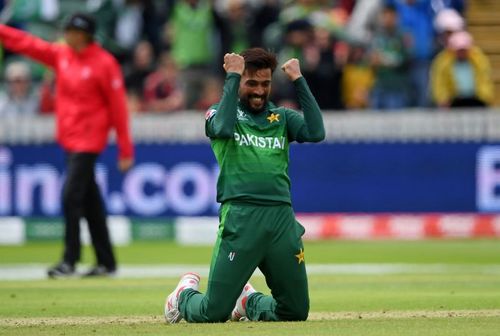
222 118
29 45
312 128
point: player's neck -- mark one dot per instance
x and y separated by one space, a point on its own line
79 47
251 110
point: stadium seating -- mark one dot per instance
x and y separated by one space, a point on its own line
484 24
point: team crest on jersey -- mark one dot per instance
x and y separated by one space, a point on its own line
273 117
241 115
210 113
300 256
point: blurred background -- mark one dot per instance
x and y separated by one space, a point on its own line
410 93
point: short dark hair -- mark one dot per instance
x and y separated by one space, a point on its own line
390 8
298 25
258 58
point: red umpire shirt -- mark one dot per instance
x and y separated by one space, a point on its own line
90 97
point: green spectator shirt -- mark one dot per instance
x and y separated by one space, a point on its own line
253 153
192 29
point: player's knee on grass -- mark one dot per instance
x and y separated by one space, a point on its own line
218 315
219 309
293 313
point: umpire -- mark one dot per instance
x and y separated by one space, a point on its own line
90 101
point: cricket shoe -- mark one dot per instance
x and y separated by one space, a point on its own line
61 270
240 309
172 313
100 271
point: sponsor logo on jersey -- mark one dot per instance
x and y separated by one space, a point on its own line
210 113
241 115
116 83
260 142
86 72
64 64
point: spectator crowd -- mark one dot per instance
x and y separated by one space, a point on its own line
355 54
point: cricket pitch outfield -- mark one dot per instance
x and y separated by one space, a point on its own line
357 288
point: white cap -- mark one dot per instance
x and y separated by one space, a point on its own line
448 20
17 70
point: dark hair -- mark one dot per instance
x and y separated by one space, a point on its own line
390 8
298 25
258 58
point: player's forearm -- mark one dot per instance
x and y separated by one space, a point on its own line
313 130
122 128
225 119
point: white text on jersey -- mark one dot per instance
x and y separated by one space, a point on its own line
261 142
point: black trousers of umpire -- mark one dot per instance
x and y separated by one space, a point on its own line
82 198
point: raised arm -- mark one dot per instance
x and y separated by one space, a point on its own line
221 121
29 45
309 128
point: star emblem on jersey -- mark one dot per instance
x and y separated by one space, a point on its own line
273 117
300 256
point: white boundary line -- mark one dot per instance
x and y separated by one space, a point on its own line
39 271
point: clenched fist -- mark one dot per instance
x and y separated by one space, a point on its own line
125 164
292 69
234 63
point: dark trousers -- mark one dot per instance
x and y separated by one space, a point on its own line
251 236
467 102
82 198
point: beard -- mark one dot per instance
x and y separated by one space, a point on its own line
247 102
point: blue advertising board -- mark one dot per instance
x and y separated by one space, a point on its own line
385 177
179 179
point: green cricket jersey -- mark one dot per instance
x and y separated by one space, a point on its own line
252 149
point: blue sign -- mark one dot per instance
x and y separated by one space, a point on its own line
384 177
180 179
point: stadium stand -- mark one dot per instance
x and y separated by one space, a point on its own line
484 25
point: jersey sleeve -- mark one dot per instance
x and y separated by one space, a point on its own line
220 119
29 45
309 126
295 122
115 91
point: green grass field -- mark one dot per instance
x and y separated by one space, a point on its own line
446 287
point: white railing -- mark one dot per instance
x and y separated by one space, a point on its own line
359 126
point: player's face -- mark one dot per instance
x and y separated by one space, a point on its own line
255 88
75 38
